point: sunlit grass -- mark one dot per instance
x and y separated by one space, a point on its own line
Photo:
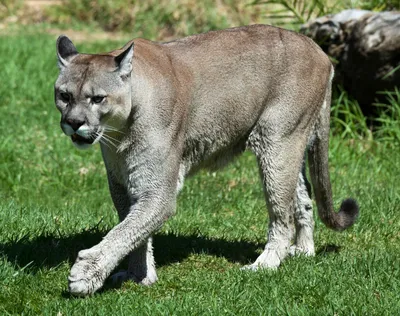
55 201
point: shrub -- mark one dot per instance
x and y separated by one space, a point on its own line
10 7
155 18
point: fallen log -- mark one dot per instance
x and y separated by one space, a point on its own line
365 47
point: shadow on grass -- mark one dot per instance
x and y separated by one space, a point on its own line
50 251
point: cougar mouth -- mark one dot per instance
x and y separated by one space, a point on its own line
81 140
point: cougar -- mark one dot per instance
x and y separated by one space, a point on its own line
162 111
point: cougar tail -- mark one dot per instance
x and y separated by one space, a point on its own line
318 164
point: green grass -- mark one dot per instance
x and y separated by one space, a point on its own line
55 201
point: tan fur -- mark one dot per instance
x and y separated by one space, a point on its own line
170 109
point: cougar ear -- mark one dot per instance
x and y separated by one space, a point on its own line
124 60
65 51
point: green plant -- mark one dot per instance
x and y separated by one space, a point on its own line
374 5
287 12
347 119
10 7
295 11
388 121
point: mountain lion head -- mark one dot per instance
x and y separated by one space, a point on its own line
92 93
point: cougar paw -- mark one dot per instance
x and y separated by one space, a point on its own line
295 250
269 259
87 274
258 266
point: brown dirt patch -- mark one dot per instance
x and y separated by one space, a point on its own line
41 3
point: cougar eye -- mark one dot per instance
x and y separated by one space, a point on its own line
97 99
65 97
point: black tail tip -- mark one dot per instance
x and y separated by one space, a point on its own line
349 212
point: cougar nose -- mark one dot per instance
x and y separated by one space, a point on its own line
75 124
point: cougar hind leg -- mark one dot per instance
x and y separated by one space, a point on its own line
303 217
141 266
280 158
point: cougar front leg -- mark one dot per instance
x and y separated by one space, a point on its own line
141 266
152 202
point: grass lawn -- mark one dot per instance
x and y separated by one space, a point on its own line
55 202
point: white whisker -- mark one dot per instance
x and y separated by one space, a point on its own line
112 138
102 140
104 143
112 129
107 139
